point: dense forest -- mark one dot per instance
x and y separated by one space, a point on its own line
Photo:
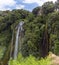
40 33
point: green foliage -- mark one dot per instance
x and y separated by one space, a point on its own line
31 60
48 7
57 4
41 27
2 50
8 22
33 36
45 61
36 11
54 31
56 49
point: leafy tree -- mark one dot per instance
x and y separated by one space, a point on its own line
57 4
54 29
48 7
36 11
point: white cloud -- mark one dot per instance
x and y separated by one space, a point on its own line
20 6
9 5
39 2
5 3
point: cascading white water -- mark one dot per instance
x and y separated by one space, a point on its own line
17 39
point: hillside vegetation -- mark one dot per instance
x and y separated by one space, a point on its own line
40 35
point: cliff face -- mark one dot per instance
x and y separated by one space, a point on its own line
8 22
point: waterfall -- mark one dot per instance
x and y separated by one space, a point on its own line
17 39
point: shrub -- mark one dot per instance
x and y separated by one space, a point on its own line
31 60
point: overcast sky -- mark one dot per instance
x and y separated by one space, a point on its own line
21 4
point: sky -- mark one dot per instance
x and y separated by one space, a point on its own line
21 4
